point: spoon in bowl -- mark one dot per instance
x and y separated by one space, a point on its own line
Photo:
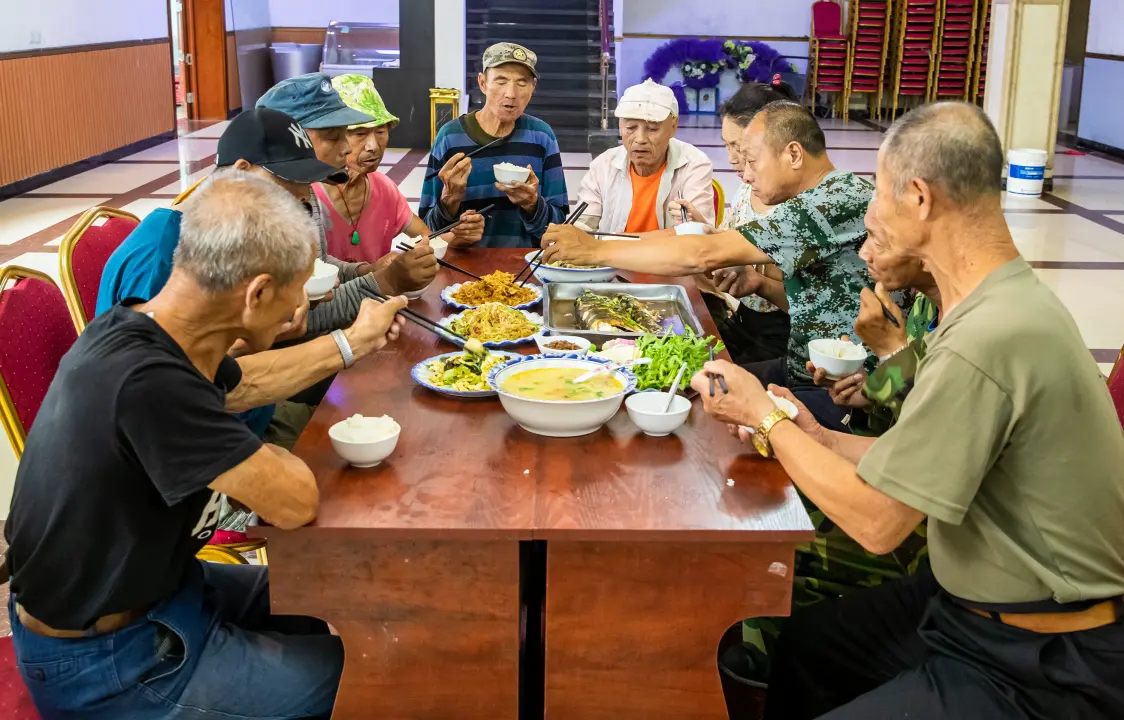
674 388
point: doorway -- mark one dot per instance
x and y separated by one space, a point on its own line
198 30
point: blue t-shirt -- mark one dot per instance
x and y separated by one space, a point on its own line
140 267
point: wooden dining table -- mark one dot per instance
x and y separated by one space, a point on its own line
485 572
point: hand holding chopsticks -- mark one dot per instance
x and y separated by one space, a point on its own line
403 247
425 323
570 220
721 380
434 173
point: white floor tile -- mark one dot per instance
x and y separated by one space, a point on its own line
392 156
1090 295
113 179
856 160
141 208
183 150
1014 202
212 131
44 262
1086 165
23 216
1058 238
1106 368
1092 194
412 185
841 139
184 182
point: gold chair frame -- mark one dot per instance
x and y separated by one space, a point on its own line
720 202
183 196
66 259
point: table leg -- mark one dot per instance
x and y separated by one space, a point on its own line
632 629
430 628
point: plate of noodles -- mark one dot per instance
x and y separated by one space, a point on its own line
497 287
495 324
460 374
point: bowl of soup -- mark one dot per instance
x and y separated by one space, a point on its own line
540 393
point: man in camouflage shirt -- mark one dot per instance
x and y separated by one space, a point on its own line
812 235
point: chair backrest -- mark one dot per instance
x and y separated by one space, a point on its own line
35 332
84 251
719 202
827 18
1116 385
183 196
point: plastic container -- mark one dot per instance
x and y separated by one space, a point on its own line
1026 171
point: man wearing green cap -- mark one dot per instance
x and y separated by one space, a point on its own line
523 210
363 216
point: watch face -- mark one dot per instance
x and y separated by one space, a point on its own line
761 444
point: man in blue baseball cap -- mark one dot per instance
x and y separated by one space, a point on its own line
313 102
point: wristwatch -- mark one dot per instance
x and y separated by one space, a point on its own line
345 348
761 435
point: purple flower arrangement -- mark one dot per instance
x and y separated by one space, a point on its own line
702 62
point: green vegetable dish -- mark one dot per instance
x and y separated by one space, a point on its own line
668 353
466 372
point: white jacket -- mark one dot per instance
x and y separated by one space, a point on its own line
607 187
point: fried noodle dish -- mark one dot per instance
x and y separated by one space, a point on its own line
466 372
498 287
494 322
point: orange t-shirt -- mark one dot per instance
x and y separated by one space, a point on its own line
643 217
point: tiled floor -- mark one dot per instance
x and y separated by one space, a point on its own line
1074 236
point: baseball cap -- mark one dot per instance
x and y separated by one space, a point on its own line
274 141
313 102
504 53
648 101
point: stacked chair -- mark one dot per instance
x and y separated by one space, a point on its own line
955 50
914 43
869 22
828 53
983 36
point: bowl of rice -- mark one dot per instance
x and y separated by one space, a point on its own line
365 441
506 173
838 358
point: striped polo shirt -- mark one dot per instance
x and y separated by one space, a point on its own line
533 143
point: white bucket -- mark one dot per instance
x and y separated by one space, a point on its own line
1026 170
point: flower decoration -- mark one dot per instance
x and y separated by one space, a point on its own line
702 62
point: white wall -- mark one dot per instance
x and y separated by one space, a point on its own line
744 18
248 14
40 24
1102 85
1106 27
318 13
449 46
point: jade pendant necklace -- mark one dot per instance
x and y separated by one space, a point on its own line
355 223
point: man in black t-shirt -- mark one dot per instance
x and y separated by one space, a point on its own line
119 487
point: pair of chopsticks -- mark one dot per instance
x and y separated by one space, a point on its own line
403 247
570 220
721 380
889 315
423 322
620 235
450 226
434 173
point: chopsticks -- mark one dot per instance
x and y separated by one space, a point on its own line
423 322
620 235
434 173
889 315
403 247
450 226
721 380
570 220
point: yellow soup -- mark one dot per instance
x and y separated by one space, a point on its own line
558 384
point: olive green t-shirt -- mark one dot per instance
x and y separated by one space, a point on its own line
1009 442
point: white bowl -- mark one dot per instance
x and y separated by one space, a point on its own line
691 228
558 418
507 173
322 281
416 294
646 411
440 247
363 454
543 340
545 273
825 353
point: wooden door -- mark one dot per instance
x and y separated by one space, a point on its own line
204 43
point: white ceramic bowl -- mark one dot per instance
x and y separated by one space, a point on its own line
543 340
507 174
416 294
558 418
363 454
825 353
545 273
322 281
691 228
440 247
646 411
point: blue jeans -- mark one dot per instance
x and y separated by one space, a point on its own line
211 651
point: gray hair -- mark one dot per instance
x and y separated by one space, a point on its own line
950 145
237 226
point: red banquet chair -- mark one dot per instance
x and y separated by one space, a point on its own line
1116 385
15 701
829 50
84 251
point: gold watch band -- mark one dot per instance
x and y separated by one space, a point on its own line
761 436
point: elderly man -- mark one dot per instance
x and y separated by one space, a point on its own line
1008 443
629 188
364 215
120 485
813 234
523 210
316 106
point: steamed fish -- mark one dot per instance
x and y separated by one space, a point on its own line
615 313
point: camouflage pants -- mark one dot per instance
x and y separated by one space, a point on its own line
829 567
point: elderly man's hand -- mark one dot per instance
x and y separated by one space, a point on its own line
376 325
523 194
845 392
566 243
745 404
877 332
454 177
470 231
675 208
739 281
413 269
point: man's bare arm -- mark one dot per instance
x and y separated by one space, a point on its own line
276 485
655 253
274 375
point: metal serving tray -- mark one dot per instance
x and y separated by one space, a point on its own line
560 319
